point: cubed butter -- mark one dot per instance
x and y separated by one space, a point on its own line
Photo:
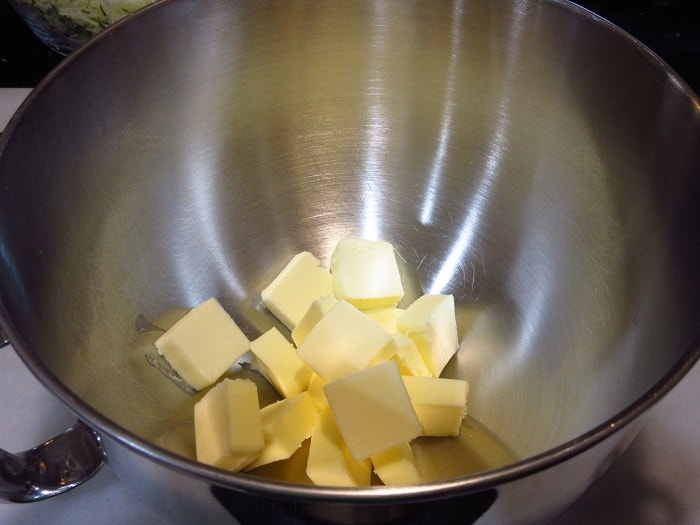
203 344
227 425
318 396
408 357
277 360
373 410
312 316
396 465
286 424
430 321
344 341
386 317
329 461
365 273
299 284
440 403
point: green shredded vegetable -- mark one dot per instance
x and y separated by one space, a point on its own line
80 19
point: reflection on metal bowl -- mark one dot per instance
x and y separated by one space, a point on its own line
524 156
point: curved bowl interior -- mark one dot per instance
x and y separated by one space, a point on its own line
523 156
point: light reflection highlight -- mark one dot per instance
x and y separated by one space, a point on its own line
372 163
434 177
453 263
475 210
203 214
376 140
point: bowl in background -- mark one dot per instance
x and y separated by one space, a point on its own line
63 25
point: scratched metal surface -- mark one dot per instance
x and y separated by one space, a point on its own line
503 170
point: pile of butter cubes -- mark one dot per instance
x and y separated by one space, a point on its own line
358 376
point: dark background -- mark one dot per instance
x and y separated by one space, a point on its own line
669 27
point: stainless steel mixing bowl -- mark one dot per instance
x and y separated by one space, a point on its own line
525 156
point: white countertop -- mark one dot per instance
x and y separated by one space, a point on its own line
656 482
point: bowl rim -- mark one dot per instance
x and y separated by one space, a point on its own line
249 483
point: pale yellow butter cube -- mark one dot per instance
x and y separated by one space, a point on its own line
299 284
277 360
344 341
203 344
365 273
312 316
227 425
386 317
286 424
318 396
440 403
430 321
408 357
396 465
329 462
373 409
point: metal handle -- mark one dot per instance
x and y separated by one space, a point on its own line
52 468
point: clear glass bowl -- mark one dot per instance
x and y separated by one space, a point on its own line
65 24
